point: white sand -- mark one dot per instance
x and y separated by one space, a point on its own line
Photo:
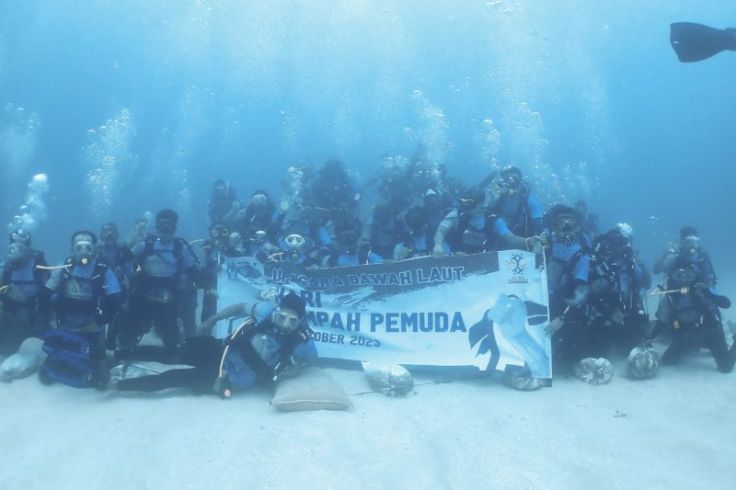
677 431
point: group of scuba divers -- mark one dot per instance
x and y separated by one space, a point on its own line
91 312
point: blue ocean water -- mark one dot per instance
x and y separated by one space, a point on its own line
137 105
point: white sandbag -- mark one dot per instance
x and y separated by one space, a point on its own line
311 390
25 362
594 371
389 379
642 363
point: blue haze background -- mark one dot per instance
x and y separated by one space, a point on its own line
135 105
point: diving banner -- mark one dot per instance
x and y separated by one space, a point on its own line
486 310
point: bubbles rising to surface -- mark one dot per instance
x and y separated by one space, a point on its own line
33 210
110 161
432 131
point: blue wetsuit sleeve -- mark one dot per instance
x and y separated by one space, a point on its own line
582 268
535 214
324 237
374 258
501 228
112 285
261 310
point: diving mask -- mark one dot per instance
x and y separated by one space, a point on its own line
260 236
566 223
285 320
18 251
259 200
691 244
219 231
294 241
83 251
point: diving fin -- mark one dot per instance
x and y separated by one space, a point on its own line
696 42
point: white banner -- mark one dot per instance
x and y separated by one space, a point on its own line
486 310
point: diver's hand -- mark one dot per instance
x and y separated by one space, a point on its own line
496 190
402 252
580 295
553 326
535 244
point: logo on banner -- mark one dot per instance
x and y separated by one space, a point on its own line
518 265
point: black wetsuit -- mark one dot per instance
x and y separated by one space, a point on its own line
695 322
202 353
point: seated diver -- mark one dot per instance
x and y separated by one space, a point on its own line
615 307
274 337
690 312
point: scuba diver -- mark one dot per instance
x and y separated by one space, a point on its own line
84 291
221 201
417 235
615 309
696 42
383 229
690 312
516 215
465 228
212 251
260 214
297 247
273 339
567 272
118 257
23 298
347 249
690 251
510 198
165 268
331 188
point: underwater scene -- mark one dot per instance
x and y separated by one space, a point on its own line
367 243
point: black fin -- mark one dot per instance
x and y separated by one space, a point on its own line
696 42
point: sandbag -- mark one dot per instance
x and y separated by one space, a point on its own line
520 378
311 390
642 363
594 371
389 379
25 362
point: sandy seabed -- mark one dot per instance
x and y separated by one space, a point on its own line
677 431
